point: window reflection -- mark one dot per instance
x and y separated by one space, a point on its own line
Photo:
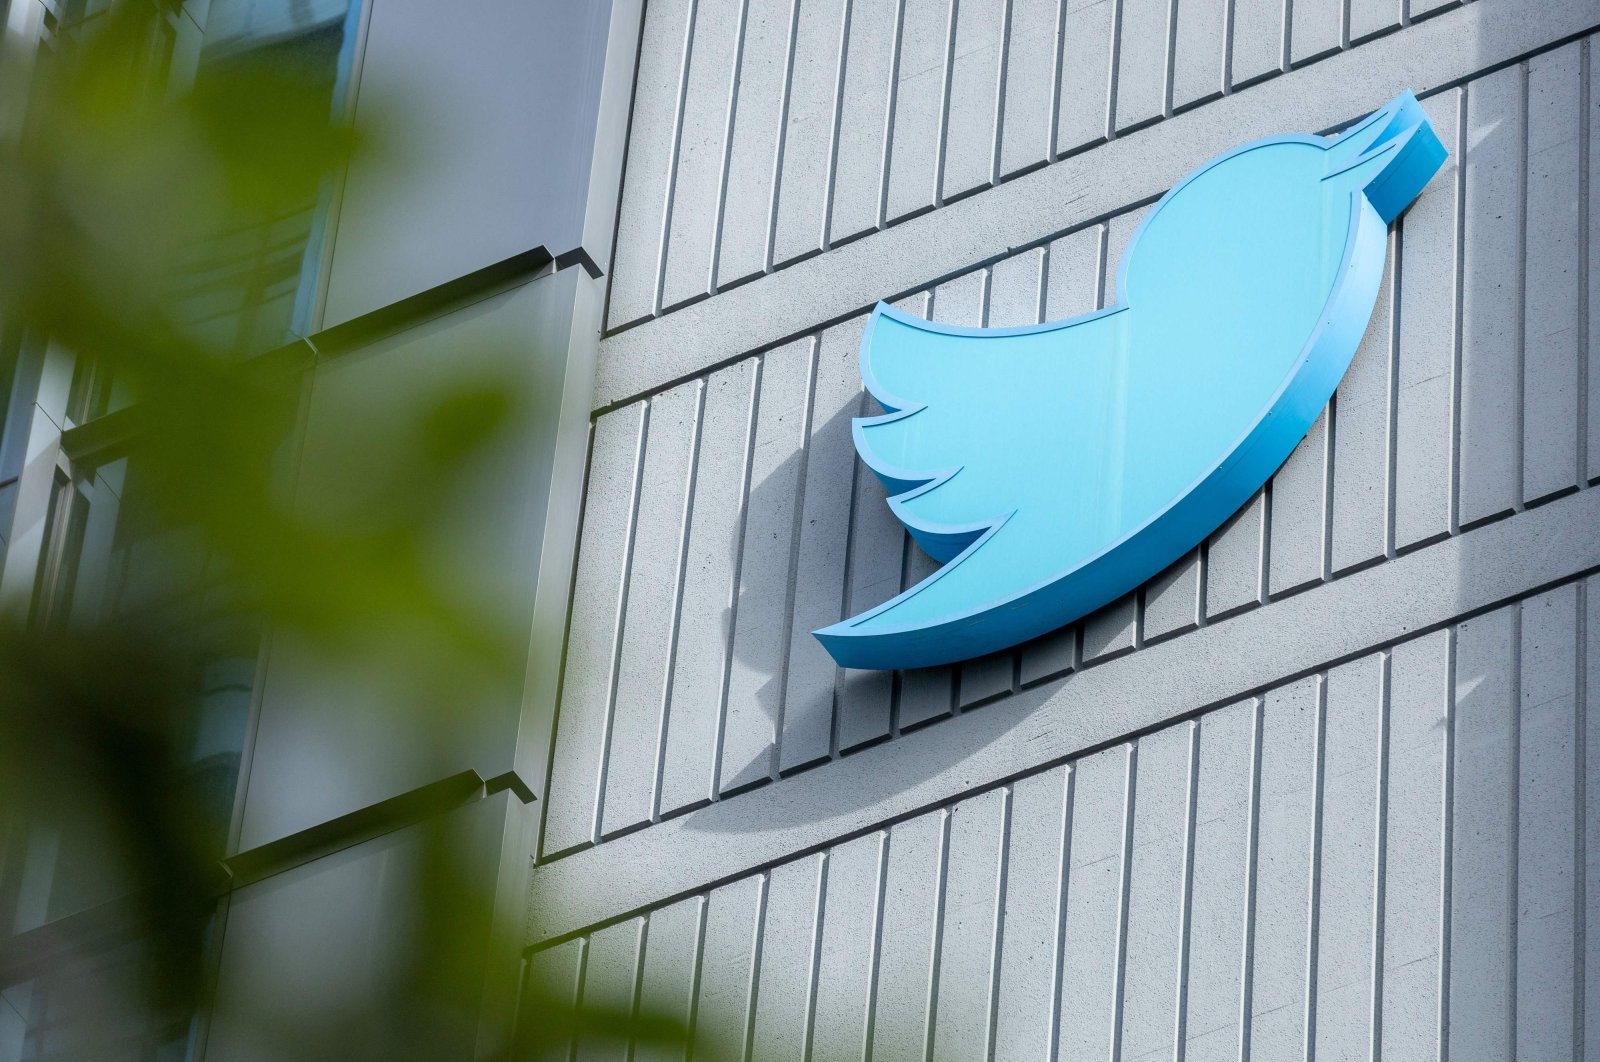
257 286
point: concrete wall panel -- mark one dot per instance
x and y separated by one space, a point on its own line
747 210
707 595
1030 955
1028 91
864 104
1370 17
639 710
789 943
970 941
971 131
572 799
652 154
1552 321
1199 57
922 80
671 956
842 1019
1145 39
811 115
1492 287
1428 377
697 180
902 1010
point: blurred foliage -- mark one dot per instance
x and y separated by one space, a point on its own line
117 195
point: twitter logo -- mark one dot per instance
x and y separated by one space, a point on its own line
1054 468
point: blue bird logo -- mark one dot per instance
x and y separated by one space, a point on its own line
1054 468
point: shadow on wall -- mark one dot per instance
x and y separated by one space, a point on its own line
801 708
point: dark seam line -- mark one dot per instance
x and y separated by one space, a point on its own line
680 109
1063 874
702 916
941 883
1258 706
1381 843
539 853
819 914
619 626
636 986
1319 788
877 945
998 939
1124 889
796 529
579 990
622 167
753 413
1514 828
686 525
1186 903
1447 845
1580 735
770 249
730 126
753 980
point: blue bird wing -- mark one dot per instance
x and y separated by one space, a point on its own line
977 442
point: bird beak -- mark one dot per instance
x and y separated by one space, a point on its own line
1389 156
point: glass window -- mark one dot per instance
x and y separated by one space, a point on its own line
258 286
65 876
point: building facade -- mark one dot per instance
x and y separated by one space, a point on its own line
1318 790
